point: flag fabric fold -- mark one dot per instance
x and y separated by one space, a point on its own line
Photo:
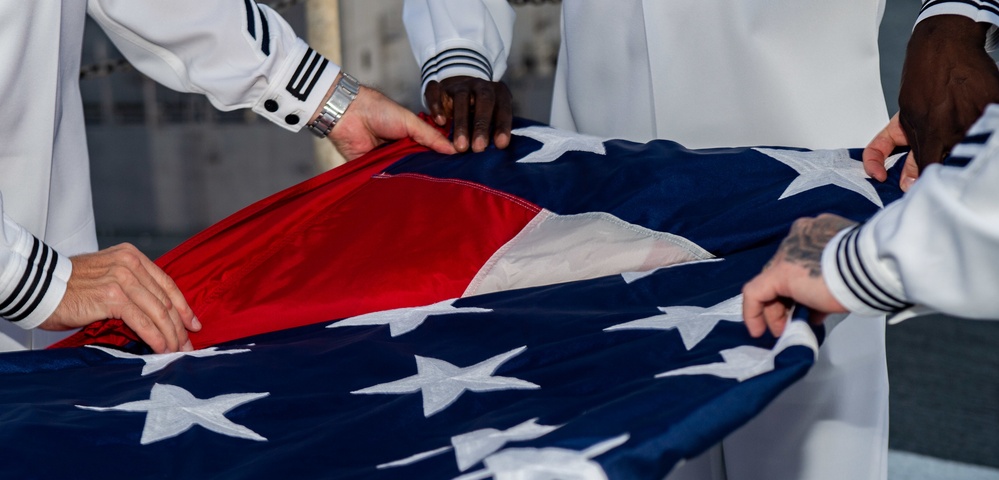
534 379
565 308
404 227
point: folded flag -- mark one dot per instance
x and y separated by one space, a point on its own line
614 377
565 308
404 227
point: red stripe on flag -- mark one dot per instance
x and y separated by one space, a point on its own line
344 243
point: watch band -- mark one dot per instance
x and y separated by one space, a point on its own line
344 92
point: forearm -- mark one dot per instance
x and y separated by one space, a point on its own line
237 53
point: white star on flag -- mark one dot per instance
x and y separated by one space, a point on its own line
745 362
693 323
546 463
441 383
159 361
172 410
405 320
472 447
632 277
826 167
555 142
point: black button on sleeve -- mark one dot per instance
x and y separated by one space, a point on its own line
292 119
271 106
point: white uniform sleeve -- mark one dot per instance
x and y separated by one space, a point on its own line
459 37
237 53
937 247
982 11
33 276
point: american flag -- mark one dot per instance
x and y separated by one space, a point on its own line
565 308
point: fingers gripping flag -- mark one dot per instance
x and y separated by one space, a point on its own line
567 307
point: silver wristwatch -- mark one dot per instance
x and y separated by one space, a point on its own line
345 91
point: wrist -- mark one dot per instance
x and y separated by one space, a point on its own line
950 31
45 276
857 278
338 99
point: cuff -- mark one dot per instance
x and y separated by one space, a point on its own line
857 278
979 12
455 61
31 296
300 89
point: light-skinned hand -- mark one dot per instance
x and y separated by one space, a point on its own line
793 276
120 282
373 119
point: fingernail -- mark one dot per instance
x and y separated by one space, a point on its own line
188 347
479 145
196 323
907 183
440 120
461 144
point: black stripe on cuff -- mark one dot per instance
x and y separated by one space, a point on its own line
307 74
457 56
885 297
971 144
40 293
955 161
24 277
41 266
987 5
857 279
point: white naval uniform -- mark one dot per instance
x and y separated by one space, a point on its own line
704 73
238 54
936 248
708 73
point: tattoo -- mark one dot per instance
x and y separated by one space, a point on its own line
803 245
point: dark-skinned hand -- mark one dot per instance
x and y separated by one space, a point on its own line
475 105
947 81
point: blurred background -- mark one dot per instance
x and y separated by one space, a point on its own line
165 165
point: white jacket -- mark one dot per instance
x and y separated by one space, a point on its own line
705 73
937 247
237 53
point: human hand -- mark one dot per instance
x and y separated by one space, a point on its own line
373 119
120 282
947 81
877 152
793 275
485 106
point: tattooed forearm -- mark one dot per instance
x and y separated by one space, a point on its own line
803 245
